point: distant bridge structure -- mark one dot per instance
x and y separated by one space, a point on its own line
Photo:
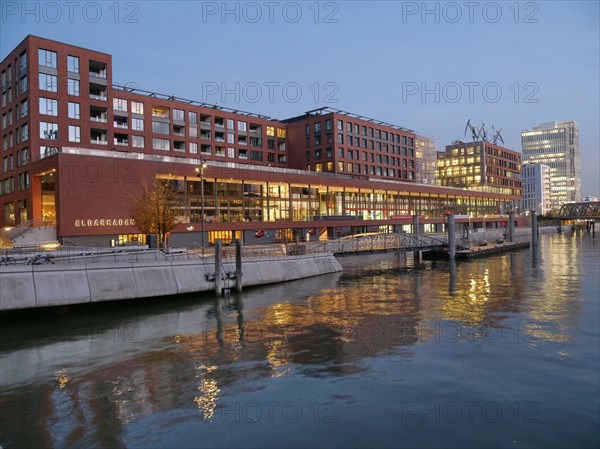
587 210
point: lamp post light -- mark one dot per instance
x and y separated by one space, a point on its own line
200 171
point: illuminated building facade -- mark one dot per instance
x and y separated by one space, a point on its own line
77 149
426 154
556 144
481 166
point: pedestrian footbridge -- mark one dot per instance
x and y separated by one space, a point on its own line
370 243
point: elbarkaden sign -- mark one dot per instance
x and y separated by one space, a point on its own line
105 222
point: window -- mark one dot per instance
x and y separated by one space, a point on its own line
48 131
327 125
74 111
317 127
220 151
281 133
270 131
137 107
119 104
179 115
205 149
24 84
242 140
230 138
24 109
74 133
24 156
193 148
137 141
48 82
243 154
192 117
160 128
230 123
160 112
73 87
72 64
242 126
161 144
47 58
48 106
24 132
231 152
193 131
23 61
340 125
137 124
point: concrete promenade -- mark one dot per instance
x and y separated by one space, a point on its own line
31 286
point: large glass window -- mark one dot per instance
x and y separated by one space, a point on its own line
137 107
119 104
73 87
74 133
137 124
161 144
137 141
160 128
48 106
74 112
47 58
178 115
48 131
48 82
73 64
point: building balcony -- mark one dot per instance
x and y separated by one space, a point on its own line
101 75
98 97
99 141
99 119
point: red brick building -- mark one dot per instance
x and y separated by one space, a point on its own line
76 149
341 142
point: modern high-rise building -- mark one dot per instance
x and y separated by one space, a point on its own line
536 189
556 144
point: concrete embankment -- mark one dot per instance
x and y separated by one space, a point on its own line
31 286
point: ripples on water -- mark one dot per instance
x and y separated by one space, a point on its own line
494 352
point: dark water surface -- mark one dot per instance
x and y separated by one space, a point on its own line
496 352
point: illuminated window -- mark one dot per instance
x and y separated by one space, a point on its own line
160 111
281 133
270 131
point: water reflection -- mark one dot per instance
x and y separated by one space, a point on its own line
190 359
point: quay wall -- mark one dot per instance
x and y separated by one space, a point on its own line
32 286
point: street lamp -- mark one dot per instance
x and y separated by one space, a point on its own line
200 171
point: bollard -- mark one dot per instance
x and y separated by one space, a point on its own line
238 265
415 224
451 237
534 230
218 272
511 227
452 286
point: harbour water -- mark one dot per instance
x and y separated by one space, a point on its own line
501 351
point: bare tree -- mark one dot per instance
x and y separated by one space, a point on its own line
155 209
